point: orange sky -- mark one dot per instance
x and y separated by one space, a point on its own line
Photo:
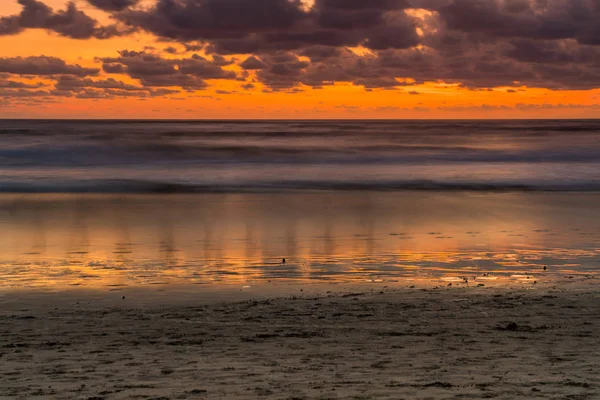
227 99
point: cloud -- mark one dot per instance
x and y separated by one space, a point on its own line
153 70
170 50
77 87
519 107
207 19
286 44
112 5
111 93
535 19
477 43
12 84
70 22
44 66
23 93
286 70
253 63
155 75
70 82
248 26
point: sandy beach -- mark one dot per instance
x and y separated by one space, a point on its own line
378 342
299 199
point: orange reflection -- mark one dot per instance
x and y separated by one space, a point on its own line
113 241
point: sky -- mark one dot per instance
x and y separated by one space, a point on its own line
213 59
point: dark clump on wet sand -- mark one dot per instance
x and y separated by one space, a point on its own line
450 344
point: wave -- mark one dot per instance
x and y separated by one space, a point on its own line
230 156
151 153
157 187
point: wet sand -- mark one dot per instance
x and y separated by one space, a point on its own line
57 242
377 342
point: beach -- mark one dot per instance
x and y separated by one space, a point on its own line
299 199
299 259
428 341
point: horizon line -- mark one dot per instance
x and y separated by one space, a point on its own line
297 119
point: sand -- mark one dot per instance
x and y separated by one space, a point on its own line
377 343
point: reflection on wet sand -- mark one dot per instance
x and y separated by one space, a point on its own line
58 241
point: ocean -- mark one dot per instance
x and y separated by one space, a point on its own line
232 156
114 204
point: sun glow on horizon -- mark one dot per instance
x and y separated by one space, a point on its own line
359 82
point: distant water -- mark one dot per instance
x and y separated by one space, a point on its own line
155 157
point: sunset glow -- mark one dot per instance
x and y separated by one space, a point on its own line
203 59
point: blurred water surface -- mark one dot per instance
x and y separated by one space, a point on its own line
57 241
234 156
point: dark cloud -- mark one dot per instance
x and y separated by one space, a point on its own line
396 34
153 70
170 50
282 70
319 53
113 68
286 45
204 68
43 65
71 82
253 63
193 46
70 22
111 93
249 26
113 5
246 26
23 93
220 60
208 19
477 43
77 87
518 107
536 19
12 84
286 70
156 76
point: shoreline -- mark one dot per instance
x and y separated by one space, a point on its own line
168 294
519 341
